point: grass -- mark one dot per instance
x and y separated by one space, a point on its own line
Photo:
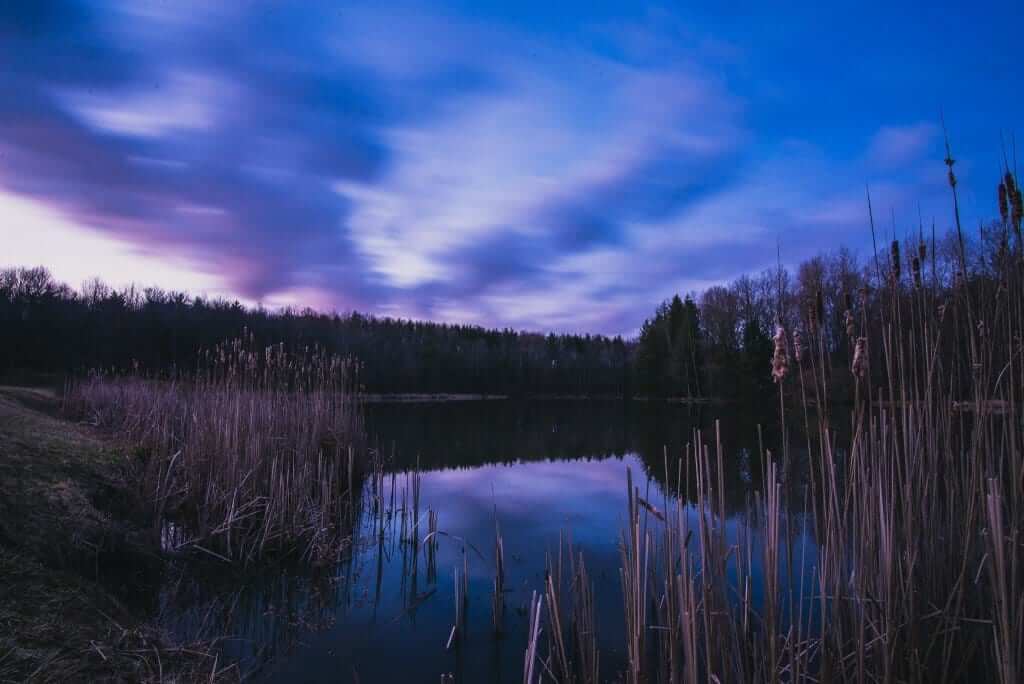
64 494
74 568
56 626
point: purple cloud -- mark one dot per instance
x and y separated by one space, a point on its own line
422 163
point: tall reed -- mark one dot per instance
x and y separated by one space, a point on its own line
892 555
255 452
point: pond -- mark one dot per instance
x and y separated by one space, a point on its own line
550 474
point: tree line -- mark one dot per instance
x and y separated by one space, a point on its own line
712 344
718 343
49 328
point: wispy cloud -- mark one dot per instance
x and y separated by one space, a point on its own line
895 146
424 161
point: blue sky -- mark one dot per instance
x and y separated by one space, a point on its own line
555 166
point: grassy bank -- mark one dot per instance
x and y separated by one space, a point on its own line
75 567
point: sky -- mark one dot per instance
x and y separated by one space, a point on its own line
535 165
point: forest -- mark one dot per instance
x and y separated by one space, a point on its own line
713 344
50 328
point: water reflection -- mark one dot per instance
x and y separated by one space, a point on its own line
463 435
552 473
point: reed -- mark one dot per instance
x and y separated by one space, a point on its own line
254 453
891 555
635 549
586 658
558 663
430 546
461 600
498 600
530 670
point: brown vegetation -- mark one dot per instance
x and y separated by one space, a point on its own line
75 570
895 556
257 452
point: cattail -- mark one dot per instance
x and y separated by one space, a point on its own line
798 347
812 318
860 357
851 328
780 359
949 161
915 268
1010 193
864 291
1018 209
848 300
894 252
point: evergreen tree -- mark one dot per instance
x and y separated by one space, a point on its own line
754 358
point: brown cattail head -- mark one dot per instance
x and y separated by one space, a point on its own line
812 318
1013 197
798 347
1004 208
860 357
780 357
848 301
915 268
894 253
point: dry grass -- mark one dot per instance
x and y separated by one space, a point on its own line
893 555
255 453
75 572
55 627
917 520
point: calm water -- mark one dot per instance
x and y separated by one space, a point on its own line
548 472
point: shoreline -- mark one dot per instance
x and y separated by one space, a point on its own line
77 564
446 397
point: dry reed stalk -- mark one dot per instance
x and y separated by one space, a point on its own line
250 454
918 570
461 600
498 600
635 549
558 655
430 547
584 627
533 638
